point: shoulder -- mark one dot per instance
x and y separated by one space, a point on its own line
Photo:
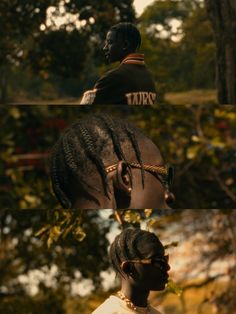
109 77
109 306
154 311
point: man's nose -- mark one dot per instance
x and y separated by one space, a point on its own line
167 267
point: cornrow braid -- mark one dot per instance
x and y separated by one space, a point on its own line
119 250
88 144
63 199
89 149
129 32
137 150
71 158
114 136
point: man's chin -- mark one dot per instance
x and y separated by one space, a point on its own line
159 287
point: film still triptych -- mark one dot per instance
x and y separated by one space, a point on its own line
118 157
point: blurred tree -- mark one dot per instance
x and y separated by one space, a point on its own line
22 251
32 38
61 54
19 23
99 16
178 42
223 18
72 50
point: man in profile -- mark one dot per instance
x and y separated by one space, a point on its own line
131 83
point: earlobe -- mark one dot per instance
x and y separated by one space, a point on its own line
169 197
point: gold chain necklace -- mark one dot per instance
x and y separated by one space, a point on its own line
129 303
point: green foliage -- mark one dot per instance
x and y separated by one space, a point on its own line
62 223
181 58
38 239
20 21
172 287
60 53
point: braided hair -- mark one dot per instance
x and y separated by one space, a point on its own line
127 244
89 145
128 31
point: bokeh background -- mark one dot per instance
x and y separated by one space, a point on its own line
51 51
57 262
199 141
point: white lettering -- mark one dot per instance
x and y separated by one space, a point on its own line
141 98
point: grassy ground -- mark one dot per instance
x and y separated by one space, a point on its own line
178 98
196 96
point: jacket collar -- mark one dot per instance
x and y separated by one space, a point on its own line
134 58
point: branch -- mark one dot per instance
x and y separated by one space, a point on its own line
230 194
203 283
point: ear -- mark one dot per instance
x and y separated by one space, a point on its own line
122 185
126 268
126 45
123 179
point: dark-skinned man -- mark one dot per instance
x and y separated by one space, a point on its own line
131 83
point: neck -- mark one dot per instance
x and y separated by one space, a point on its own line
126 55
136 295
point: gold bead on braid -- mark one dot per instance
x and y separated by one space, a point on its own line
111 168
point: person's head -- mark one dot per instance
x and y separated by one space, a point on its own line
105 162
138 257
121 40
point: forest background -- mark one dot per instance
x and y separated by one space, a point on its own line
52 50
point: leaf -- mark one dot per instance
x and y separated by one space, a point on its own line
54 235
67 231
15 112
148 212
153 223
192 151
132 217
79 234
42 230
218 143
172 287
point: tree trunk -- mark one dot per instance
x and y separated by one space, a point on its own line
3 85
222 14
